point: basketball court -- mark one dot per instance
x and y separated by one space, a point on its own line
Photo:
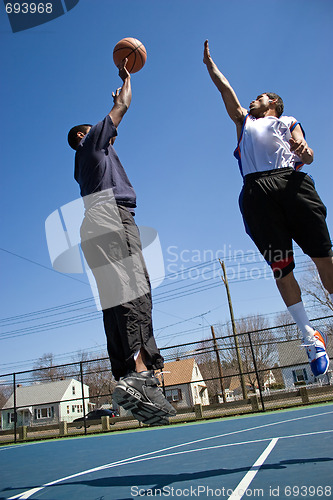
285 454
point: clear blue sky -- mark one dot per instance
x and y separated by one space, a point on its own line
176 144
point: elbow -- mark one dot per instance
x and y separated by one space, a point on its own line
122 107
309 157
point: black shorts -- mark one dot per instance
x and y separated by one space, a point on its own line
280 206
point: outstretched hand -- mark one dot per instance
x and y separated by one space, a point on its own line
123 72
206 57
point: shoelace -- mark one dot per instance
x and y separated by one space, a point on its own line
308 345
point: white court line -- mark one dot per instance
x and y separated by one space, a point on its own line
241 488
27 494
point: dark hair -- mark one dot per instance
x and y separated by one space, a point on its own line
279 105
72 138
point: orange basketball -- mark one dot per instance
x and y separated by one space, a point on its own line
135 52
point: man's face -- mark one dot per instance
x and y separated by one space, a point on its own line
259 106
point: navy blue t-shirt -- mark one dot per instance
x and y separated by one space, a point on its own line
97 166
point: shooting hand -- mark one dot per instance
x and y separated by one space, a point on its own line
123 72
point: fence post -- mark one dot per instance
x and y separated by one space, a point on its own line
82 390
254 402
219 366
303 392
63 429
198 411
105 423
22 431
163 384
15 412
257 373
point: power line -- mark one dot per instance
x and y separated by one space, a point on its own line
164 296
48 268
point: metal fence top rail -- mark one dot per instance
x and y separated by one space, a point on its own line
78 363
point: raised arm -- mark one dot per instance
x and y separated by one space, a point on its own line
123 96
236 112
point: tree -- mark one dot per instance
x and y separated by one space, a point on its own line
263 344
313 287
97 375
288 330
5 393
46 370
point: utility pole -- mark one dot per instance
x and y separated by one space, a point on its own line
234 331
219 366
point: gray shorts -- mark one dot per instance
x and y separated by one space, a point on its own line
111 244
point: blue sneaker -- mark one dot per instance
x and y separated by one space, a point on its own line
319 360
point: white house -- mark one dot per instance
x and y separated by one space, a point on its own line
41 404
298 369
183 383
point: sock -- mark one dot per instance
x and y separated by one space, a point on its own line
301 319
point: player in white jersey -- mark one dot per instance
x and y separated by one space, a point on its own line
279 203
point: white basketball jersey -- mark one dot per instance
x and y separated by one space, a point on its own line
264 144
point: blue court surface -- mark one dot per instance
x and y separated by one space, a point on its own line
285 454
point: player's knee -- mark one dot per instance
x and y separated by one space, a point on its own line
283 267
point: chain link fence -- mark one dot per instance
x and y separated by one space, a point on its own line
231 373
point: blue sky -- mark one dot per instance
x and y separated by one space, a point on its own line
176 144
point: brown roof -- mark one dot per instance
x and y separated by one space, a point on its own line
180 372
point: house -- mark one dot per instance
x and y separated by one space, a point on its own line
183 383
229 395
48 403
233 387
295 365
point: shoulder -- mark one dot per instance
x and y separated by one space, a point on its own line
100 134
106 123
290 121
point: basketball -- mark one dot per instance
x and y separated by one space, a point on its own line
135 52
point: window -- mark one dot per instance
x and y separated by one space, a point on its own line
173 394
47 412
73 390
300 375
67 409
11 417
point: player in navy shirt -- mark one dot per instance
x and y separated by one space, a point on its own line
111 244
97 166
